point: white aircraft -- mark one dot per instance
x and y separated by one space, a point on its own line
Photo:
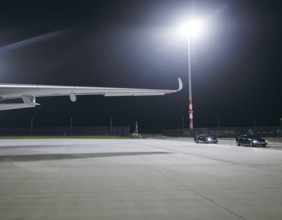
28 93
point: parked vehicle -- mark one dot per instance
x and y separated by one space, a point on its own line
205 138
250 140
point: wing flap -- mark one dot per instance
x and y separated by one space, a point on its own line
11 106
133 94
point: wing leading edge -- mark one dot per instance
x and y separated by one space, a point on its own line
28 93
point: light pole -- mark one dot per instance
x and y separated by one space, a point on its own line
111 125
31 126
190 110
71 126
192 28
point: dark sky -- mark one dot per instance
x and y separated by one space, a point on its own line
236 65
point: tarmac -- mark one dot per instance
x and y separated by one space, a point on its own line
138 179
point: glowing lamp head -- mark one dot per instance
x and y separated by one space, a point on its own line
194 27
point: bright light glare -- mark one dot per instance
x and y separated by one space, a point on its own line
193 27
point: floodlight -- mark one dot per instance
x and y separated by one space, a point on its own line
193 27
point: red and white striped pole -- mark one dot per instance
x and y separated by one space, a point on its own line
190 110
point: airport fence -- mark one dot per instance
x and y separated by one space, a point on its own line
225 131
65 131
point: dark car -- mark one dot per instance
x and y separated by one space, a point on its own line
205 138
250 140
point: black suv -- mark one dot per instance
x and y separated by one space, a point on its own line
250 140
205 138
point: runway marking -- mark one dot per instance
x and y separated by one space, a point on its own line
197 193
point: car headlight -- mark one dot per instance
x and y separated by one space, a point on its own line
255 141
209 139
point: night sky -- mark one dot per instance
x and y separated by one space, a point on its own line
236 64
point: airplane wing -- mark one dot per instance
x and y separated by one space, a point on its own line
28 93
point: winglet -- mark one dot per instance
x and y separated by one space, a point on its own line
180 85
